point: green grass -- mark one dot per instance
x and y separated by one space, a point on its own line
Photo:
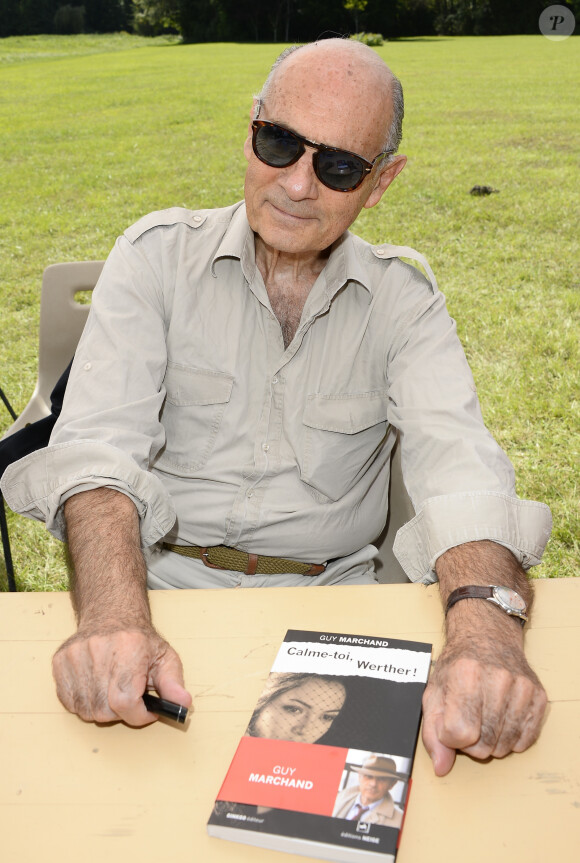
96 131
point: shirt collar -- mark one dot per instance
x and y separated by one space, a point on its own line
386 800
344 263
238 242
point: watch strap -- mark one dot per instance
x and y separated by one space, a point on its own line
480 591
469 591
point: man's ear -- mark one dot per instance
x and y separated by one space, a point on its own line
384 180
248 144
254 112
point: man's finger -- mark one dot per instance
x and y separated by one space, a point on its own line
496 696
166 677
461 701
442 757
77 687
129 706
529 721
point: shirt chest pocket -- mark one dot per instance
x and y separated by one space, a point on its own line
192 413
343 435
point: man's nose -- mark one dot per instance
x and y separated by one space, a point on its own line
299 179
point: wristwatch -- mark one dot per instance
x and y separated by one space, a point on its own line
504 597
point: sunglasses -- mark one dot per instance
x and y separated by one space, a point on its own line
337 169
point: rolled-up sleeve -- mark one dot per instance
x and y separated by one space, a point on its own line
522 526
38 485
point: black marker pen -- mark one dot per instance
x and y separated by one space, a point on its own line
161 707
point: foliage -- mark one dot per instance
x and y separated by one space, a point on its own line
154 17
19 17
282 20
90 145
30 17
371 39
69 20
357 8
107 16
490 17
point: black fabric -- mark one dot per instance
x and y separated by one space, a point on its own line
36 435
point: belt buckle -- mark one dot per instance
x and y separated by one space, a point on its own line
203 554
250 568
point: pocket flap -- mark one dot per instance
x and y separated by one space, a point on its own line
186 385
347 413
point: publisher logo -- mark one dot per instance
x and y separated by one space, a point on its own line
557 23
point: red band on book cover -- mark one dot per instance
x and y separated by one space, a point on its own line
283 774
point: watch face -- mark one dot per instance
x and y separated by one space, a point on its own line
509 598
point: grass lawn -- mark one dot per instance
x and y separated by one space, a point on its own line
96 131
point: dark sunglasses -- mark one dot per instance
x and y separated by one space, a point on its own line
337 169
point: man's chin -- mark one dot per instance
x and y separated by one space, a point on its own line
291 240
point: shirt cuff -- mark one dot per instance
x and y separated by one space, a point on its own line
38 484
522 526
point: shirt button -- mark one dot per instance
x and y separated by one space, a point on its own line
87 367
197 218
249 494
380 252
265 447
274 380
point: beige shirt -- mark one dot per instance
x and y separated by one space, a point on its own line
382 812
183 397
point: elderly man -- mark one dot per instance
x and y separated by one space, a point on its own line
229 421
370 799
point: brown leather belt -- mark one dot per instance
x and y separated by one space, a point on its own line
223 557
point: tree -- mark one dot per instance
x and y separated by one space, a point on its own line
26 17
357 7
104 16
152 17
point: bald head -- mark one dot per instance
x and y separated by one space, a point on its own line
348 70
331 96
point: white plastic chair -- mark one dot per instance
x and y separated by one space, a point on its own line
62 319
389 570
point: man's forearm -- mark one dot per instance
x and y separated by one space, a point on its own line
480 563
103 670
108 583
482 698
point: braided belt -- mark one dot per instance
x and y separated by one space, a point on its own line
223 557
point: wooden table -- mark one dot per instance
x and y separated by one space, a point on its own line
71 791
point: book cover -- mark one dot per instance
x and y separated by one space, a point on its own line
324 767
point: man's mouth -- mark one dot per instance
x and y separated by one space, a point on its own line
287 213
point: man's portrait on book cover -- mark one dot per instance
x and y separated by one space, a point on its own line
373 789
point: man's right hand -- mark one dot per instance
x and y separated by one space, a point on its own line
103 671
101 674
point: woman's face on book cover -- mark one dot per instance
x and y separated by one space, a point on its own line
304 713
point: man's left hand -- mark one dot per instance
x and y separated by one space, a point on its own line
482 699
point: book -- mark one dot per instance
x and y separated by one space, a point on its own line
324 766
